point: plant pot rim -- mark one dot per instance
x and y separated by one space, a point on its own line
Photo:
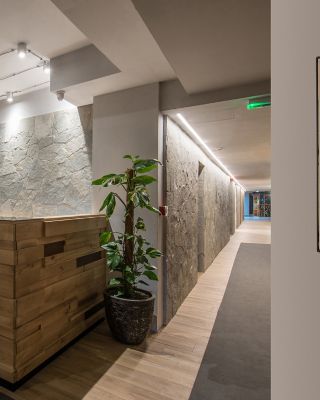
150 294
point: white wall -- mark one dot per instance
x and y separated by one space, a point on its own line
295 261
127 122
32 104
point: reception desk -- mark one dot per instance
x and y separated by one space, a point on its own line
52 276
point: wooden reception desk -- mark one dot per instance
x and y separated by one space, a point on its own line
52 276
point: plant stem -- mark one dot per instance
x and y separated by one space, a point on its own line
129 226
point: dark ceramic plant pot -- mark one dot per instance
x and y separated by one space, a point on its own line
129 320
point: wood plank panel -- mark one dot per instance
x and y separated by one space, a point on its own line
7 245
7 257
29 255
7 281
47 329
50 287
77 287
54 228
31 278
70 255
56 346
7 313
29 229
7 231
7 355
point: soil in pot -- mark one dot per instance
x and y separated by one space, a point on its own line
129 319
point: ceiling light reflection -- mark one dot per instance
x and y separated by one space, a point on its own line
196 135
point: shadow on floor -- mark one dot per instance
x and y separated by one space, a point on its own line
76 371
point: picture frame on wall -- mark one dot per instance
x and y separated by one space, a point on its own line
318 141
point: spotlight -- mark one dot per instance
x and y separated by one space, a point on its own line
9 97
46 67
60 94
22 49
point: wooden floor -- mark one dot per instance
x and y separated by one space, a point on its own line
98 368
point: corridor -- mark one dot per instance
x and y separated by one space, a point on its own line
166 366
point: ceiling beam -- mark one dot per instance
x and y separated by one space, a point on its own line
80 66
174 96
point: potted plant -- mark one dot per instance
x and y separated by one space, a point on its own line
129 309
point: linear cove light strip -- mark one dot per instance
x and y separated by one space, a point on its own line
195 134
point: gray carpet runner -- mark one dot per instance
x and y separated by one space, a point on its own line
236 364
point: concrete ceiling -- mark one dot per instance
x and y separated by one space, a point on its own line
118 31
46 31
207 44
212 44
240 138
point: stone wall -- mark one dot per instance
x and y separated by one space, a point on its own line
184 158
238 206
232 205
45 164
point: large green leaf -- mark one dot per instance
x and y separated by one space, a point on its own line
105 237
113 260
143 198
103 179
132 196
109 204
115 282
111 246
143 282
153 253
116 180
143 166
130 157
140 225
153 209
150 267
151 275
144 180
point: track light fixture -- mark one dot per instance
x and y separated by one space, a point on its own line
9 97
60 95
22 49
46 67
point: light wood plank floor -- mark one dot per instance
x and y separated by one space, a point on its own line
165 368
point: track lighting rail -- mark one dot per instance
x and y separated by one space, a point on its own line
3 53
2 78
22 51
5 95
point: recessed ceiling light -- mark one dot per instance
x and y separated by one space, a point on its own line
9 97
22 49
46 67
218 148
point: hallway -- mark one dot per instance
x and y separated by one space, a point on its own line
166 366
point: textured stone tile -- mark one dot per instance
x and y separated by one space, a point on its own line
45 164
